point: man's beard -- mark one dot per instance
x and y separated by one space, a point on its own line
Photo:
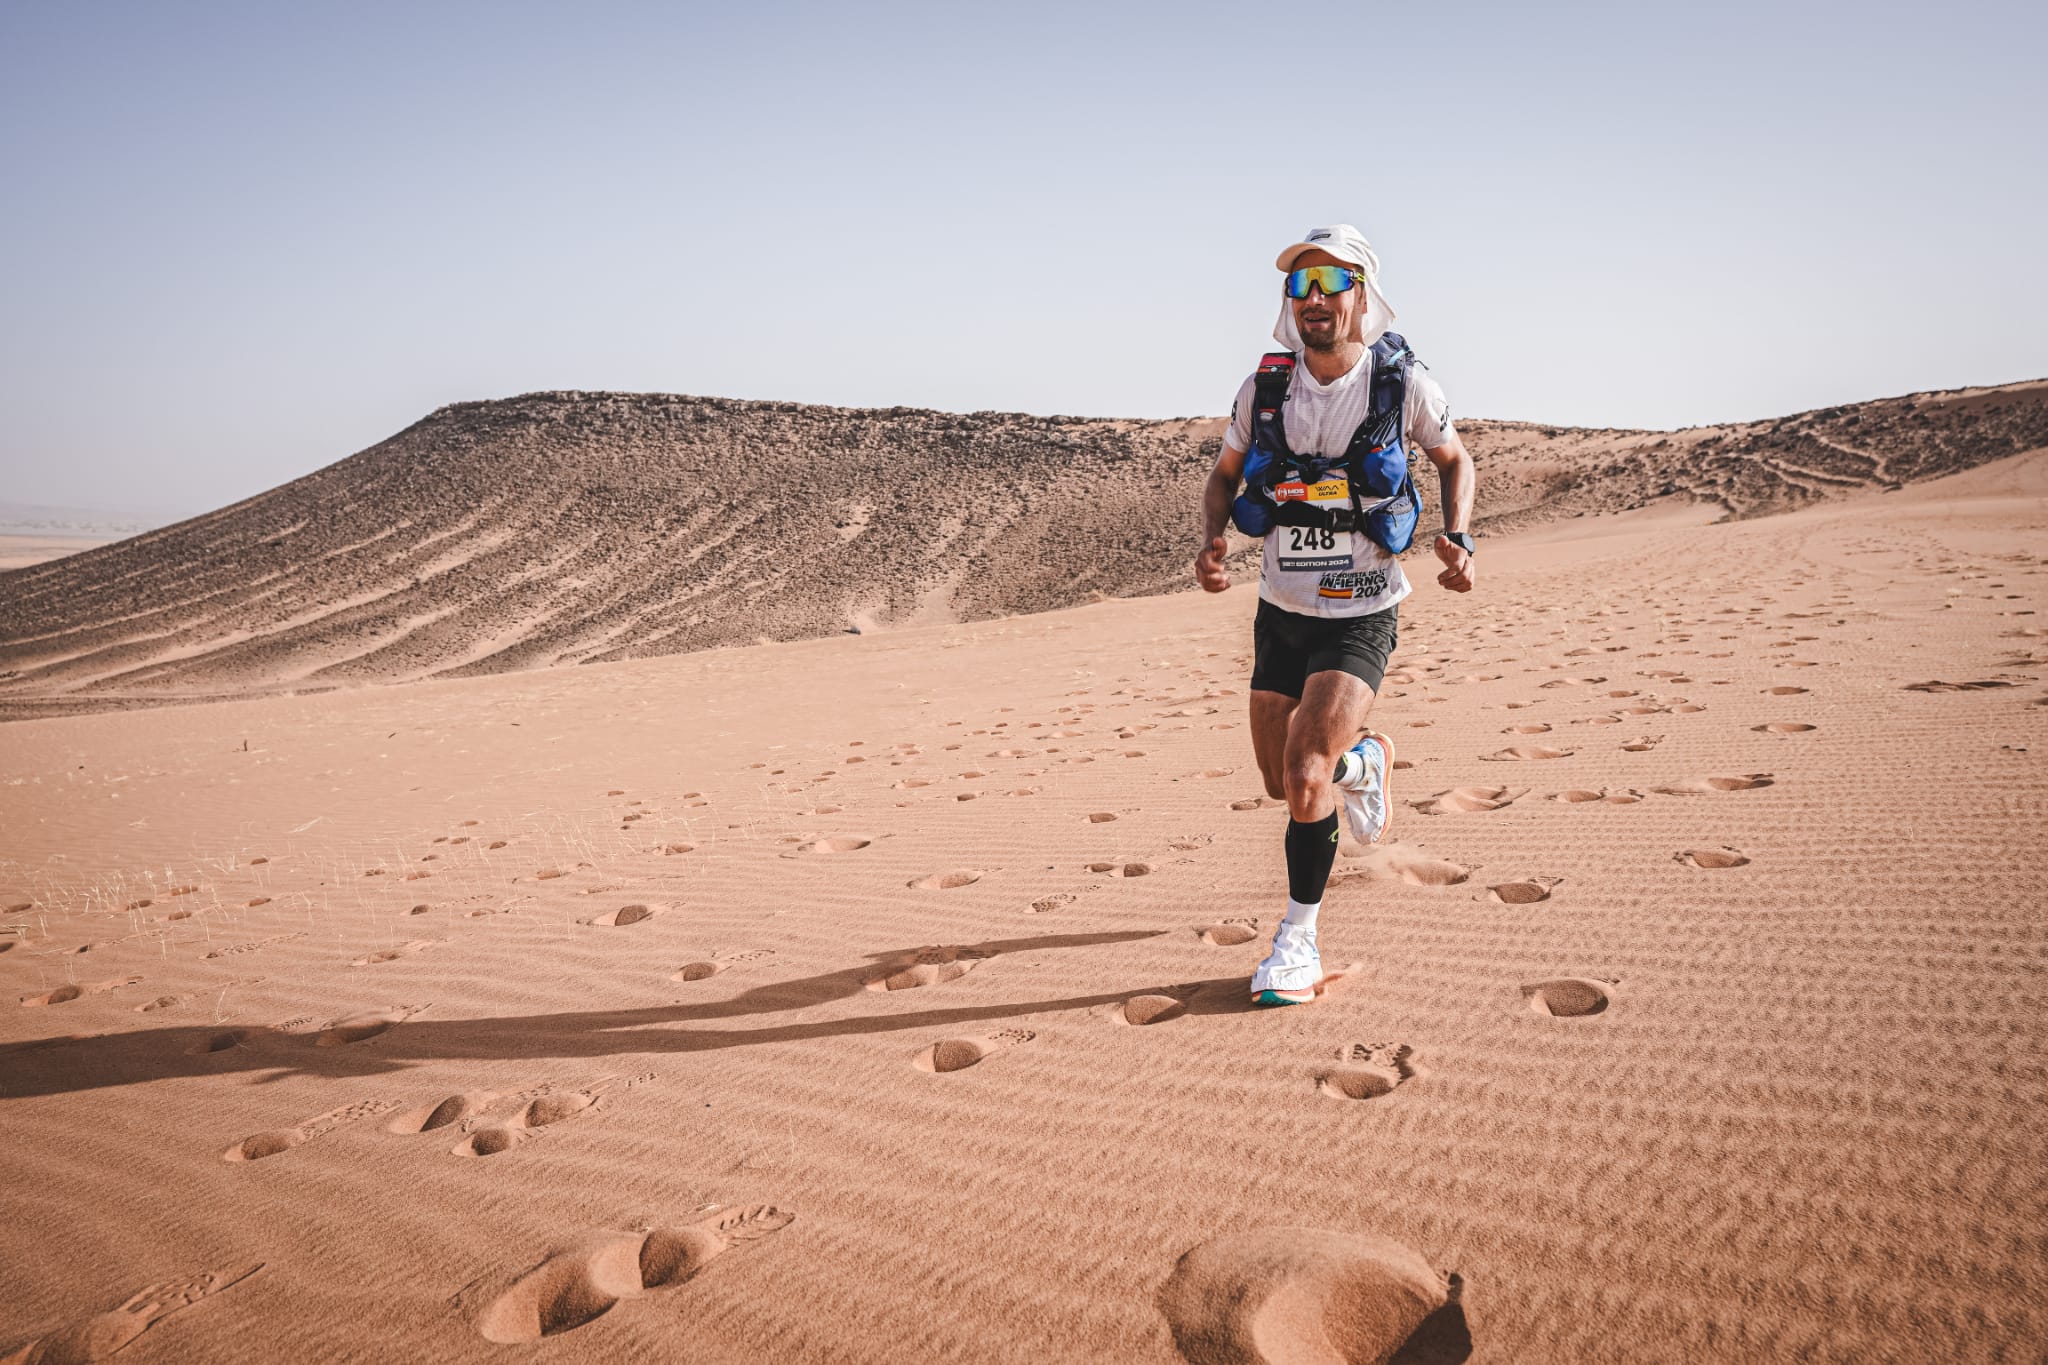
1326 339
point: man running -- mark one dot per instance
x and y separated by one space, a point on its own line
1328 585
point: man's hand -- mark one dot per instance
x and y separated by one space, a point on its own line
1457 574
1209 570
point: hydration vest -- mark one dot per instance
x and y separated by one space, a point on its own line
1384 503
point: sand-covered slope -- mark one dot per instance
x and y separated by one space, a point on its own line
562 528
882 998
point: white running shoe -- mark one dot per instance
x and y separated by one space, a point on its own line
1363 774
1291 971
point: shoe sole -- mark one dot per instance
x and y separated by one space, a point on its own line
1284 998
1386 781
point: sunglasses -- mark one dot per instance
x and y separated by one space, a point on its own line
1331 279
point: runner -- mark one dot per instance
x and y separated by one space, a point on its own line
1319 438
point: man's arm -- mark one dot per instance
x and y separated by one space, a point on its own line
1217 495
1458 482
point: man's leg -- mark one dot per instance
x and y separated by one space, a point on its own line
1271 712
1332 709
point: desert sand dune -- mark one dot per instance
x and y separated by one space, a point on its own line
570 528
523 1008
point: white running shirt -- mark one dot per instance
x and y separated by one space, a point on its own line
1336 573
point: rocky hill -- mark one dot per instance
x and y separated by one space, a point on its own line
562 528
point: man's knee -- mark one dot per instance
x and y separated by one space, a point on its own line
1306 780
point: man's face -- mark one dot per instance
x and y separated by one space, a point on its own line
1327 321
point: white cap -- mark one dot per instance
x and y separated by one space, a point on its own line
1341 240
1347 244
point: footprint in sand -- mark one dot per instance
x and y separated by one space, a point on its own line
1101 817
1308 1294
670 850
1785 691
361 1028
1229 933
1057 900
100 1336
455 1109
947 881
1523 752
220 1040
623 916
1150 1008
1932 685
582 1283
1578 796
551 1107
957 1054
276 1140
1713 857
1468 800
1397 863
1567 997
701 971
1367 1071
1122 869
1524 891
1538 729
837 843
64 995
1739 782
1643 745
257 945
418 945
930 966
1783 727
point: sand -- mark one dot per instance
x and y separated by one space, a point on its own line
881 997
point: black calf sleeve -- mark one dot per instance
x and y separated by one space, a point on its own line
1311 853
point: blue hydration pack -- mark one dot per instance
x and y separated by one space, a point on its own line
1384 503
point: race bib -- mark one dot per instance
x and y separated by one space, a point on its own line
1313 549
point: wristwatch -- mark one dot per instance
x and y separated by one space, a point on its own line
1462 540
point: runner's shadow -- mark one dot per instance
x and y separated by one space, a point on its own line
63 1065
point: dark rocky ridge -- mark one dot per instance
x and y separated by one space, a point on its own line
559 528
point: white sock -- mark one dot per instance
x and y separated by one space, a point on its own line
1297 913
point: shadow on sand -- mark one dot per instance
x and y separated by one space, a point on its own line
56 1066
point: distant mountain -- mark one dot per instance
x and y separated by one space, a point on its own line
562 528
32 518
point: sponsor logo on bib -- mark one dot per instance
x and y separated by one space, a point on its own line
1350 586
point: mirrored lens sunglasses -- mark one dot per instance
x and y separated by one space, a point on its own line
1331 279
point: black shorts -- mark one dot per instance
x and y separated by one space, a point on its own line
1287 647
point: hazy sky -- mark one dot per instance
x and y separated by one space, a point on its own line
243 241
